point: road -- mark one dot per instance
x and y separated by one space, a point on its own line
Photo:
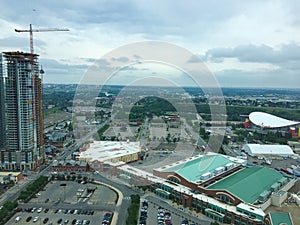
195 135
143 132
126 191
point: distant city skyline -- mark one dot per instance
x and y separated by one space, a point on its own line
244 44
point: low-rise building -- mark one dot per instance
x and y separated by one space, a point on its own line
268 150
69 166
6 177
110 151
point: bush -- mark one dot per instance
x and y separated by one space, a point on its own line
8 210
33 188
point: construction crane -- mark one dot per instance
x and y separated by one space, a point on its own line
30 31
33 75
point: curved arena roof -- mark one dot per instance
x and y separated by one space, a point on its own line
266 120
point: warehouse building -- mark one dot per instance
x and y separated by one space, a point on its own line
110 151
268 150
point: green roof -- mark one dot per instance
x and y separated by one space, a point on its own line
281 218
193 169
248 184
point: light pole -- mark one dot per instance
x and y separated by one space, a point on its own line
64 193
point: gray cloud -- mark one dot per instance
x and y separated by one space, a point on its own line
120 59
152 18
277 78
19 42
65 73
194 59
253 53
197 25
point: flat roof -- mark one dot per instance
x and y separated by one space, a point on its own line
3 174
106 150
249 183
279 218
267 120
194 167
251 208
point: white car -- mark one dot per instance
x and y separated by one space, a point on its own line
35 219
18 218
39 210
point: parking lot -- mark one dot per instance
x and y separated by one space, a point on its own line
157 214
67 202
163 214
71 192
59 217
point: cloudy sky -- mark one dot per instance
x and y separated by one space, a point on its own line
244 43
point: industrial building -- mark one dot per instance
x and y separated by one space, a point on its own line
268 150
21 98
110 151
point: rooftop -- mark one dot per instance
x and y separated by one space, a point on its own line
266 120
3 174
249 183
268 149
280 218
181 188
106 150
192 168
68 163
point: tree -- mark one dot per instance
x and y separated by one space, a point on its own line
214 223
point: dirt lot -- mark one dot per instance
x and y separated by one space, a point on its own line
56 117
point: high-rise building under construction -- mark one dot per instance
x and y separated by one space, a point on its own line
21 123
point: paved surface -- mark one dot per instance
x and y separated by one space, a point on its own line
126 192
56 194
177 212
55 217
57 197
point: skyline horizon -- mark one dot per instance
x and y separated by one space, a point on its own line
249 44
123 85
